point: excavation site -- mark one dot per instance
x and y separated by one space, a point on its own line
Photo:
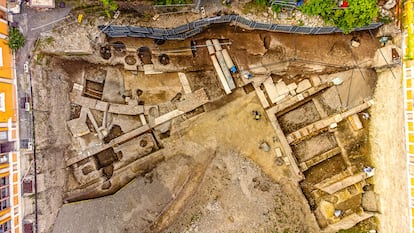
229 130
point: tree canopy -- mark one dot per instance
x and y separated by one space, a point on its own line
16 39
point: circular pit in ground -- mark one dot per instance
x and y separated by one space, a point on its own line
130 60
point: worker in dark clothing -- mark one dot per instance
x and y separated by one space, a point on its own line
256 115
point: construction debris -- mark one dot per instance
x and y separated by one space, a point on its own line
264 146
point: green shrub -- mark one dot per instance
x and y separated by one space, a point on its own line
276 8
385 19
261 2
109 6
359 13
255 7
322 8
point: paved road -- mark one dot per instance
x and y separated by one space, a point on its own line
31 23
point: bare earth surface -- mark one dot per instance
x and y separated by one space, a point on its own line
50 106
388 154
220 189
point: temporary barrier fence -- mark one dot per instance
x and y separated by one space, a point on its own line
193 28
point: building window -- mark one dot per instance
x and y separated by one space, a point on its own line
5 227
3 135
4 204
4 193
4 158
7 147
4 181
2 102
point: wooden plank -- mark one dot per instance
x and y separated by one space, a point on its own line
184 83
220 75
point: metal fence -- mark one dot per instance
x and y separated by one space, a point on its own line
193 28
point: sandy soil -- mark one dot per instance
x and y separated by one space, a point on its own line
262 205
314 146
222 126
302 116
234 128
156 88
133 207
387 143
195 193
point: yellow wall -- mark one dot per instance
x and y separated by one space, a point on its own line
6 69
16 221
4 29
14 178
409 25
7 88
15 200
14 131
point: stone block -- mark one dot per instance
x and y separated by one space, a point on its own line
271 90
262 98
315 80
278 152
369 201
78 87
281 88
292 86
303 86
280 99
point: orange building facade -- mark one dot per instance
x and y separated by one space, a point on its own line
10 185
